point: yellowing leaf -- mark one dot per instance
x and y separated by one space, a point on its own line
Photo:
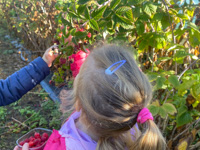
183 145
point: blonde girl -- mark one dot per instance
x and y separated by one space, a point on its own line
110 96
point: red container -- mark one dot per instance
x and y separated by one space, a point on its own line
31 133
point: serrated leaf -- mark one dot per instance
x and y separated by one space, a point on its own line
83 1
81 9
94 25
124 22
97 14
169 108
162 112
129 15
123 9
183 119
135 2
153 109
160 81
174 81
186 85
87 14
149 8
114 3
107 12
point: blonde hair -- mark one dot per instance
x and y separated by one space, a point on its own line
111 103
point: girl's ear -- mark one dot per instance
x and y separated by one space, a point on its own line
77 105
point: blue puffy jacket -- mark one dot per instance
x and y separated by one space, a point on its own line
22 81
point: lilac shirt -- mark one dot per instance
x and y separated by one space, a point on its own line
76 139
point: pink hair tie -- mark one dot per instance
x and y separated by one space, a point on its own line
144 115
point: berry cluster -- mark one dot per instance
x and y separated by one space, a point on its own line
36 141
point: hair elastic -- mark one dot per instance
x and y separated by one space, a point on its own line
109 72
144 115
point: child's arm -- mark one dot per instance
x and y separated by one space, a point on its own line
22 81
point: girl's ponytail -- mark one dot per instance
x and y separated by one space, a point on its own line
150 138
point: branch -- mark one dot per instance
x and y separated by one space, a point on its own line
187 68
23 124
193 147
196 121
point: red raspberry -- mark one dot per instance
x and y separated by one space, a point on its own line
37 135
22 143
81 30
31 144
45 135
62 60
89 35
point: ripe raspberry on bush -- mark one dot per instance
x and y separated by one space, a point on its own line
89 35
62 60
79 58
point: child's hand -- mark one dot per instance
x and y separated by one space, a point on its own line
50 54
25 147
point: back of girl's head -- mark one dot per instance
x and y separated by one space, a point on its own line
111 103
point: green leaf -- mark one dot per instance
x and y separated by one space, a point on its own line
101 1
83 1
149 8
158 17
165 21
160 82
182 109
124 22
186 85
174 81
81 9
87 14
183 16
135 2
195 91
162 112
107 12
153 109
114 3
139 27
68 50
129 15
169 108
193 26
123 9
65 22
152 77
183 119
97 14
94 25
80 34
137 12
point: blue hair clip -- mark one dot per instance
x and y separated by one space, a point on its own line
109 72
